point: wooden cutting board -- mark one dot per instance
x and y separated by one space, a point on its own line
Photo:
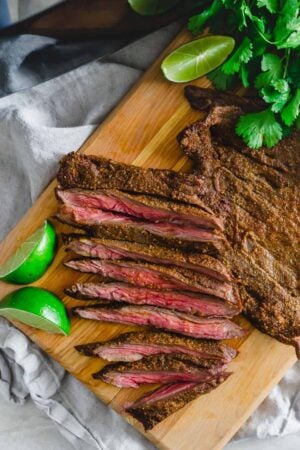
142 130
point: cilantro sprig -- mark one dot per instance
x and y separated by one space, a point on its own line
266 58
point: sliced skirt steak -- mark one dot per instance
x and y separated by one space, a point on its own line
135 345
106 224
157 405
144 207
188 302
157 276
158 369
113 249
188 325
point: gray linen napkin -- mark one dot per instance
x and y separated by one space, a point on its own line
37 126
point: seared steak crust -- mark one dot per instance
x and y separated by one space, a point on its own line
156 276
158 341
159 369
205 99
91 172
113 249
177 362
262 190
145 207
150 414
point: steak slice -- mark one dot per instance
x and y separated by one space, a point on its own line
135 345
162 369
199 304
113 249
262 192
205 99
144 207
156 406
156 276
162 393
118 226
91 172
201 328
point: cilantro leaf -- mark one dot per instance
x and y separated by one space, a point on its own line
271 65
259 44
259 22
242 55
258 129
287 15
267 58
271 5
291 111
244 75
294 25
220 80
197 22
277 93
293 41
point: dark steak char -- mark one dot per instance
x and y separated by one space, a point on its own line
201 328
135 345
148 208
118 226
188 302
262 191
91 172
205 99
113 249
156 276
162 369
157 405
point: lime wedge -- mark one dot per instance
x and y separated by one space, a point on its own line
151 7
32 258
197 58
36 307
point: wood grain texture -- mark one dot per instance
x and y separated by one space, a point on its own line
142 131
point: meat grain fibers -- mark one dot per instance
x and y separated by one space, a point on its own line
135 345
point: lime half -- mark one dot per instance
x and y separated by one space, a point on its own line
197 58
151 7
32 258
36 307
